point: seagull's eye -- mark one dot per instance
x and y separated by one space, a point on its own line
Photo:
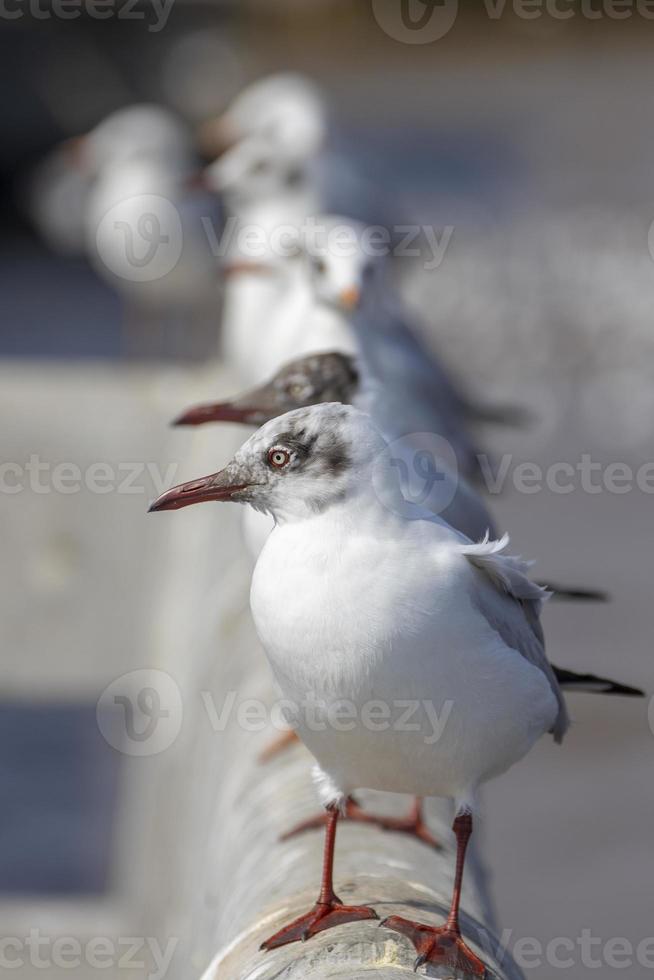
319 264
260 167
279 458
298 391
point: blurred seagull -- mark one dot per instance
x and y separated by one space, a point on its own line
143 224
267 144
350 277
355 598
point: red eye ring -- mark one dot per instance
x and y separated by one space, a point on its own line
279 458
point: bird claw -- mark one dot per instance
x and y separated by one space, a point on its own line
440 945
320 918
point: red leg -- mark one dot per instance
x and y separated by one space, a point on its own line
444 945
329 910
278 744
414 824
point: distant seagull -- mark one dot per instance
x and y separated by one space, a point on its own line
266 146
144 227
357 599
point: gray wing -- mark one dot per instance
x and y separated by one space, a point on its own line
517 622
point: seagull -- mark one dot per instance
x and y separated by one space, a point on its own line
268 140
350 276
359 597
143 222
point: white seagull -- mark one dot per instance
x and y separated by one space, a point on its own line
270 138
359 597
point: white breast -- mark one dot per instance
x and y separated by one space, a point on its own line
349 618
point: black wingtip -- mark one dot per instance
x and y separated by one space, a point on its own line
511 416
563 593
625 690
592 684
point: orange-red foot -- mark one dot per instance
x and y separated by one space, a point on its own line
413 825
279 744
324 915
442 945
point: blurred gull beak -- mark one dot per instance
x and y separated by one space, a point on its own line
245 267
197 181
349 298
253 408
74 149
217 486
217 135
222 412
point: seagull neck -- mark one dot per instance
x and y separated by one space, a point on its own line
350 504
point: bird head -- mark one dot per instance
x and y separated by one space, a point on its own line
322 377
294 466
346 264
266 138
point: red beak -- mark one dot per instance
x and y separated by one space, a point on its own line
246 267
217 486
197 181
221 412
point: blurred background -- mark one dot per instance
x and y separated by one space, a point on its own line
526 138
